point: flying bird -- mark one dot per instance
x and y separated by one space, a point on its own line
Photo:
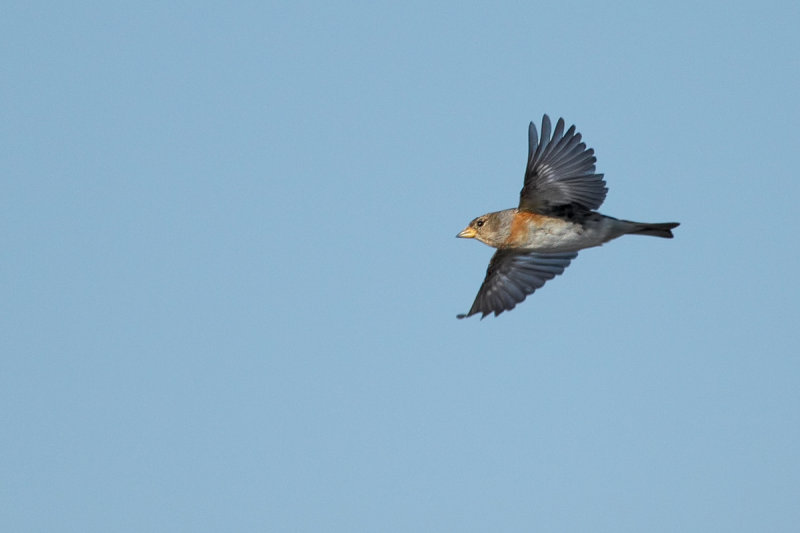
555 219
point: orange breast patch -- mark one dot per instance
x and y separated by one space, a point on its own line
523 223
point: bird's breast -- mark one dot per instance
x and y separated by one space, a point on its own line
541 233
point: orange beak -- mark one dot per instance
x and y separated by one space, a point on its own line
468 233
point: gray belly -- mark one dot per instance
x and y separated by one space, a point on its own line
567 236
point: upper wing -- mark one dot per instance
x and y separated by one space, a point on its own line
512 276
560 171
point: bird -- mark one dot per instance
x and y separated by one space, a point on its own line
555 219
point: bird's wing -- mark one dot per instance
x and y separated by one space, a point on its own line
512 276
560 171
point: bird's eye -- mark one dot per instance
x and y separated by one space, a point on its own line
479 223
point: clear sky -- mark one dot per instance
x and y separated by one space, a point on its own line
230 273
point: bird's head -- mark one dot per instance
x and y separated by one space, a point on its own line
492 228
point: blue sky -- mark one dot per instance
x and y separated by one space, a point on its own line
230 276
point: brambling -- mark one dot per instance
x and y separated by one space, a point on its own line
555 219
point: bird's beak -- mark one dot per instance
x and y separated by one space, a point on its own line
467 233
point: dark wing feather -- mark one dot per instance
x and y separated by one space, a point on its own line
560 171
512 276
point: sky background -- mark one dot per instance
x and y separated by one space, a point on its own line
230 278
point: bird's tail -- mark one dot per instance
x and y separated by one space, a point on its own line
661 229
